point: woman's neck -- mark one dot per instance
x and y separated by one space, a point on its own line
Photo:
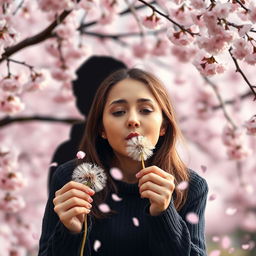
128 167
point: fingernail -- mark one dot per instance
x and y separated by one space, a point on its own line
90 200
137 174
91 191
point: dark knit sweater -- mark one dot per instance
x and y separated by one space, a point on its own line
168 234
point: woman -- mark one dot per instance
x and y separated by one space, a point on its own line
150 217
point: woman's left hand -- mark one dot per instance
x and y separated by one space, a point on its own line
156 185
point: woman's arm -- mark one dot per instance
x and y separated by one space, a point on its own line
56 239
171 234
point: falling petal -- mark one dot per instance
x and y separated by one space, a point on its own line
215 253
104 208
53 164
192 218
212 197
215 238
226 242
203 168
115 197
230 211
249 189
183 185
96 245
116 173
36 236
80 155
245 246
135 221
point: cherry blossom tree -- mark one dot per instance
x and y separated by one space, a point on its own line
203 50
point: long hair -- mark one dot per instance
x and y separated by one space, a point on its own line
165 156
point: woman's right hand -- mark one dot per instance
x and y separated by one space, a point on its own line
72 203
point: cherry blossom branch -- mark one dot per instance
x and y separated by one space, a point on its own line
18 7
246 9
127 11
41 36
20 62
221 101
239 70
21 119
168 18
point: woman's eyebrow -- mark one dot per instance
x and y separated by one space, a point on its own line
123 101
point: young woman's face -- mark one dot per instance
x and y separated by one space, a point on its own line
131 109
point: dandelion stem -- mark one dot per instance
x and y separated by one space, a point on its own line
142 161
84 236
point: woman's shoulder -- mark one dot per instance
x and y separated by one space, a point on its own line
197 184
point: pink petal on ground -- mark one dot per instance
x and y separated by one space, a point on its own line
115 197
116 173
245 246
183 185
96 245
231 250
192 218
80 154
104 208
53 164
212 197
135 221
231 211
226 242
215 253
215 238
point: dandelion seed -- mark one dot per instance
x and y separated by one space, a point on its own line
104 208
183 185
96 245
80 154
139 148
192 218
116 173
116 197
135 221
90 175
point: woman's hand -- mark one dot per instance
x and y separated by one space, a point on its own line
72 203
156 185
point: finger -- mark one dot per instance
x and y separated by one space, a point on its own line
162 191
71 203
156 170
72 184
72 193
66 216
152 196
155 178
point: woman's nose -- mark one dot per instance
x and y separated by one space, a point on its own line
133 121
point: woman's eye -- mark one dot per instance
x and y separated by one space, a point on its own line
118 113
146 111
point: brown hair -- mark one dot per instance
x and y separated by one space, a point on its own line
165 156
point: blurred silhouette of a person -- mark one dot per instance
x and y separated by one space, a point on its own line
89 76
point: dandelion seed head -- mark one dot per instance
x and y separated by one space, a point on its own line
139 147
90 175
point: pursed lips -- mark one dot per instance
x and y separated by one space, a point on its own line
131 135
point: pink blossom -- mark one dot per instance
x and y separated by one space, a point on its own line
55 6
107 18
152 21
66 30
238 152
11 104
180 38
87 5
251 58
198 4
104 207
80 155
241 48
12 203
181 15
183 54
252 13
37 82
116 198
225 242
161 48
96 245
244 29
78 53
135 221
250 125
208 66
9 35
116 173
11 84
140 50
222 10
231 136
110 5
63 74
12 180
64 95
